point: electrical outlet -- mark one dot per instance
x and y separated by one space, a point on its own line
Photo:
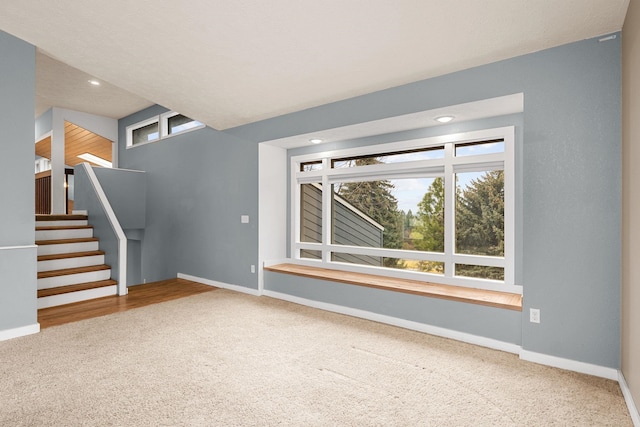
534 315
253 268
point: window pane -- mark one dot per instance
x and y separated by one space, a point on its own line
306 253
480 213
357 259
145 134
310 166
311 213
433 267
395 157
393 214
480 271
482 147
395 263
180 123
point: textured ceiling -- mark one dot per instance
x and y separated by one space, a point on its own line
60 85
227 63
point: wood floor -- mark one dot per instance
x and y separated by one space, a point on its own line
139 296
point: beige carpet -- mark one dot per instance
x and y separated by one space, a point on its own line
227 359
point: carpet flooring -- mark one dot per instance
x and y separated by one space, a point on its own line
228 359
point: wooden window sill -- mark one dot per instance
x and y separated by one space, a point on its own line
497 299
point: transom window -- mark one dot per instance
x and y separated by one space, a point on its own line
160 127
437 209
176 123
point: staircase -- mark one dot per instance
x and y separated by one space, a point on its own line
70 265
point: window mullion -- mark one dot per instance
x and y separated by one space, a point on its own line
509 211
449 210
296 217
327 207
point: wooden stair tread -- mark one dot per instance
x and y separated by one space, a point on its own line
69 255
63 241
60 217
75 288
75 270
63 227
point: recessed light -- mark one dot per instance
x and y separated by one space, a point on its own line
94 82
444 119
315 140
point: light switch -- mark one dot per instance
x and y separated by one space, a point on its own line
244 219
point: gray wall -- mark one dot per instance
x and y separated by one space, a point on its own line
126 192
44 123
498 324
198 185
17 210
568 206
631 201
87 199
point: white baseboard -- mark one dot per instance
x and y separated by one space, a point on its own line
543 359
570 365
79 212
403 323
628 398
8 334
208 282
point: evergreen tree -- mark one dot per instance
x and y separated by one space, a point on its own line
431 218
430 226
480 223
480 216
409 220
375 199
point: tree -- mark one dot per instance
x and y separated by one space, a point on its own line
430 218
480 223
375 199
480 216
409 220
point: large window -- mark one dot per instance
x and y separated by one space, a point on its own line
438 209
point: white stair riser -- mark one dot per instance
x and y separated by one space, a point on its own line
71 297
63 223
65 248
59 264
73 279
76 233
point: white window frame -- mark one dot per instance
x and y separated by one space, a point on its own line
164 125
163 128
131 128
446 167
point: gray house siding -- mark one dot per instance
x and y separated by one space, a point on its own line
350 227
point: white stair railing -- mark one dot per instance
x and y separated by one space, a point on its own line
115 225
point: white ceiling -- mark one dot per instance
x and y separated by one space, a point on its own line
227 63
60 85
